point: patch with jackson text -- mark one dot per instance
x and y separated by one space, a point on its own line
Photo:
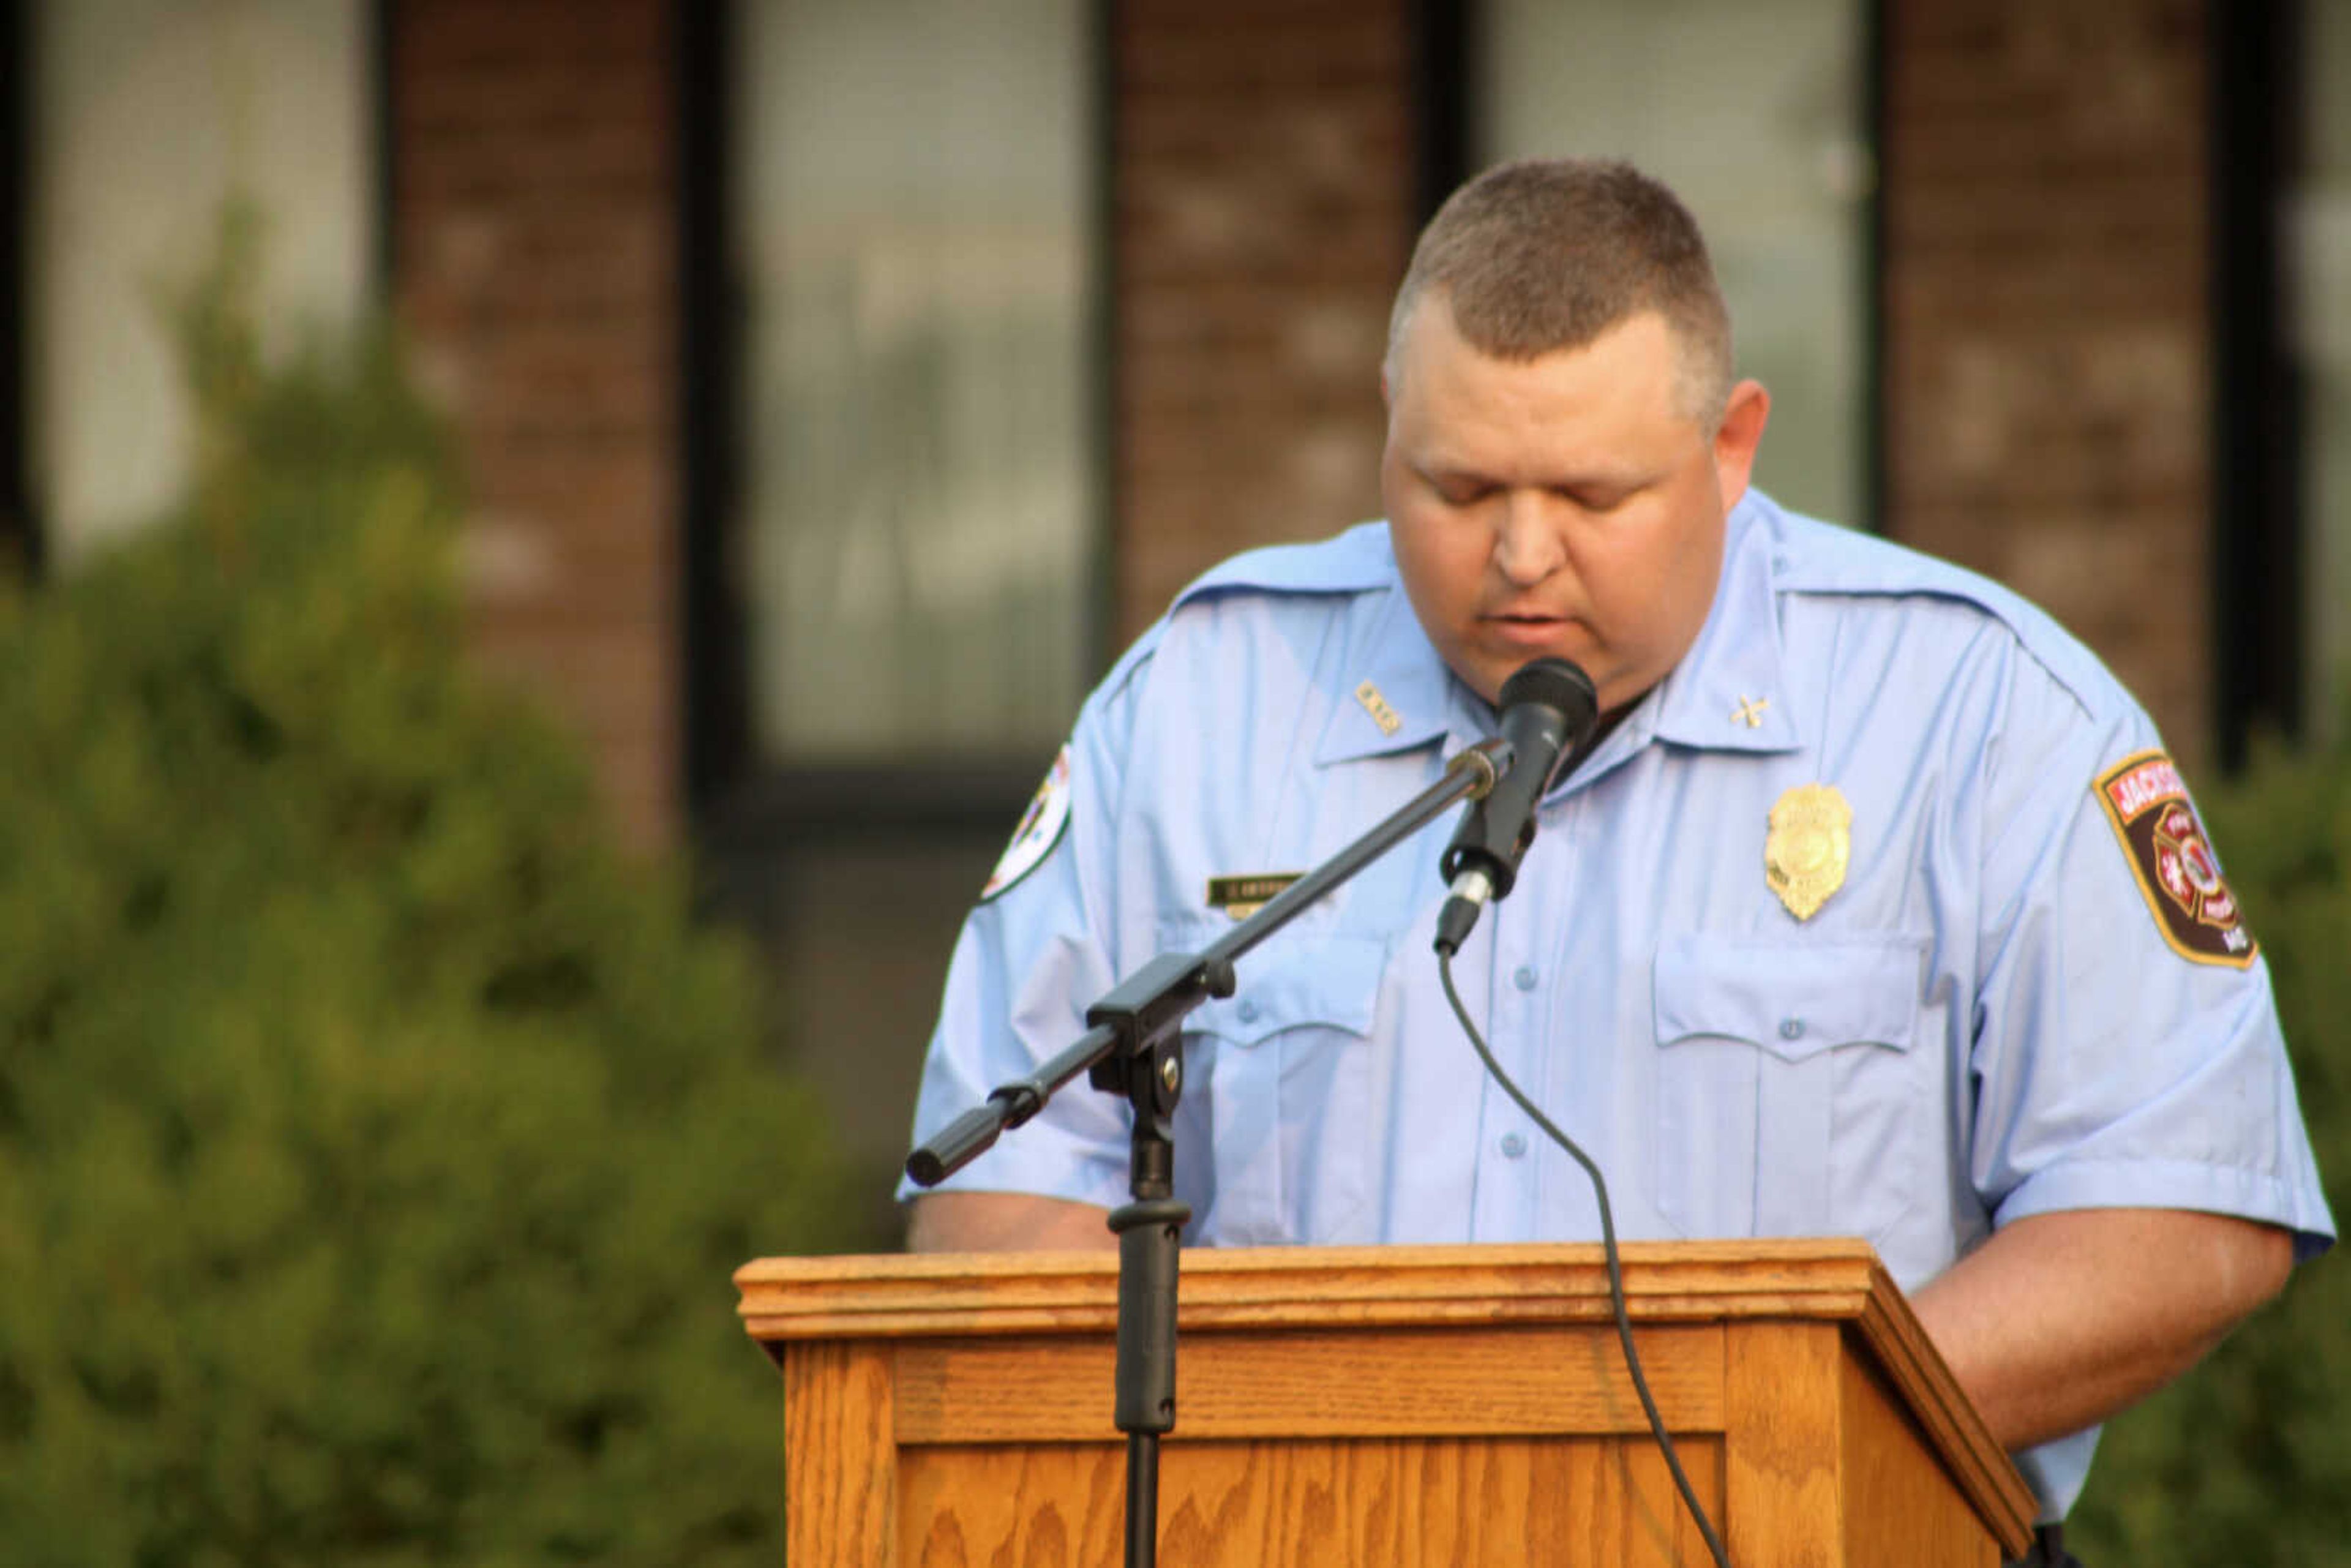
2171 856
1041 829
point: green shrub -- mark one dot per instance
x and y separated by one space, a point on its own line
2247 1460
375 1141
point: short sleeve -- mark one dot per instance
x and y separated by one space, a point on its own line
1031 956
2113 1067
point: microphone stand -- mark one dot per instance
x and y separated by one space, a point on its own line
1135 1048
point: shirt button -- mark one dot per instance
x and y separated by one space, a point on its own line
1248 1013
1524 979
1791 1028
1513 1145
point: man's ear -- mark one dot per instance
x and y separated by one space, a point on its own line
1735 441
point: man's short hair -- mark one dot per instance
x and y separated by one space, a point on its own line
1548 254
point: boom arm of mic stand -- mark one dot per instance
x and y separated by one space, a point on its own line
1163 991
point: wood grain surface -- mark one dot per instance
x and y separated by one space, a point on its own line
1532 1379
1899 1510
1781 1433
1566 1502
841 1456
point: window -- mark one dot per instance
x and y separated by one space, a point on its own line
913 190
145 115
1755 113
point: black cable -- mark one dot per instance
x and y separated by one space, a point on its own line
1608 1242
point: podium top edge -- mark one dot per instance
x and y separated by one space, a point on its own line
896 1292
1259 1260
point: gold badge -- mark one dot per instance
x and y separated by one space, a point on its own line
1805 857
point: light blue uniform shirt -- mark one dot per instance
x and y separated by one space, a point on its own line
1983 1022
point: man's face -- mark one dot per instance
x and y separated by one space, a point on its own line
1565 505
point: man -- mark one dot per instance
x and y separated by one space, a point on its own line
1876 909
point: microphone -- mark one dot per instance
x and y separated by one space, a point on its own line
1548 707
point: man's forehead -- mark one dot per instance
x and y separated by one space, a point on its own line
1636 360
1609 405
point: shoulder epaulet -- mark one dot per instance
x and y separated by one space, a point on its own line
1357 562
1814 557
1353 563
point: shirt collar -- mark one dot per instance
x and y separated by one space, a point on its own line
1401 693
1726 694
1729 692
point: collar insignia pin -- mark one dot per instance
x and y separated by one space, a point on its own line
1377 706
1750 712
1811 844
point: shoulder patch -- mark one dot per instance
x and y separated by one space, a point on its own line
1041 826
2172 858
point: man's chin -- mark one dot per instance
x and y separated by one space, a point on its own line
1498 658
1618 693
1486 673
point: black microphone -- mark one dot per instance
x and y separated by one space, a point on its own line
1548 707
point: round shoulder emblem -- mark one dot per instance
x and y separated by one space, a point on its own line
1041 829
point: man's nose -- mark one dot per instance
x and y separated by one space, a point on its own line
1527 546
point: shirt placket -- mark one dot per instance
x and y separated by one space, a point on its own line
1519 994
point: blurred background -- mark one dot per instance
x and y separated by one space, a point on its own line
816 395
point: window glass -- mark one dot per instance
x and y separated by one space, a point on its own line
912 185
2319 259
147 114
1753 112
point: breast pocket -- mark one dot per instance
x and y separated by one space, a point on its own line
1787 1099
1289 1081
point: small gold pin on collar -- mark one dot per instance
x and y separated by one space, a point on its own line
1377 706
1750 712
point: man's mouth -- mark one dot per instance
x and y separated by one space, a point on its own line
1524 627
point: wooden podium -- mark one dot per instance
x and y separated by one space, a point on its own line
1378 1406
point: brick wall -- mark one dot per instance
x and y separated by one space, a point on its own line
2047 357
535 251
2047 353
1264 189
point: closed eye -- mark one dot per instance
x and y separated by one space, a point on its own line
1600 498
1458 489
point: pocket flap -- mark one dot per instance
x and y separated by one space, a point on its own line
1792 998
1329 982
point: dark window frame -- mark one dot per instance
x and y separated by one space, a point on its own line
2258 410
384 36
1444 42
1876 122
22 542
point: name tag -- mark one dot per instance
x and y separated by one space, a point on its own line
1242 896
